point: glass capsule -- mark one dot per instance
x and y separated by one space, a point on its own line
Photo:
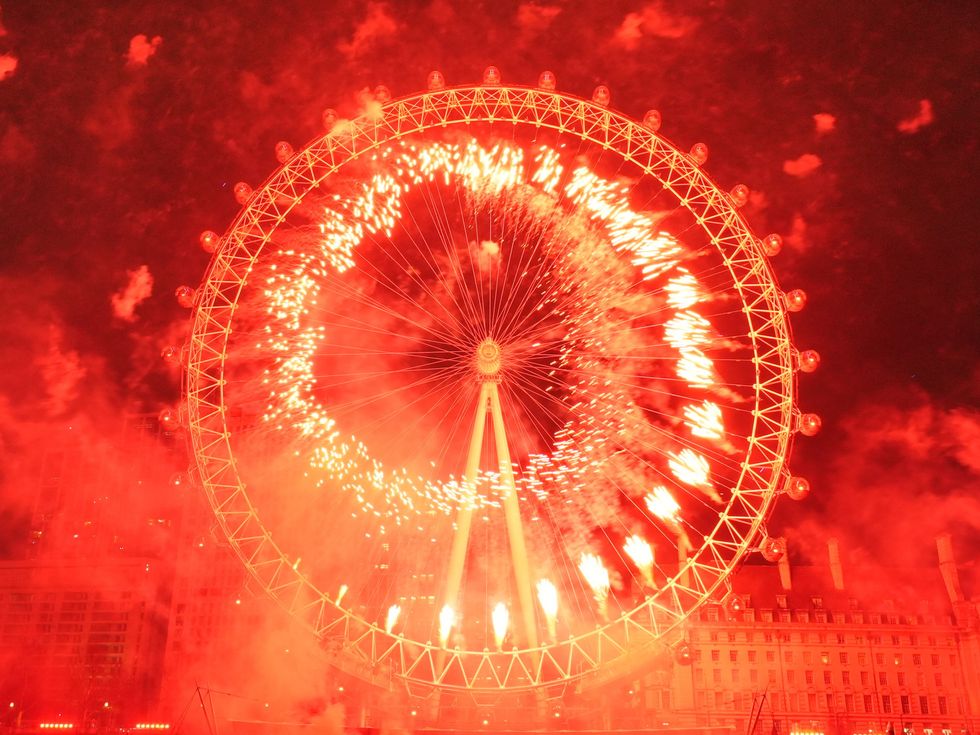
809 360
329 118
170 353
209 241
772 244
795 299
810 424
242 192
739 195
436 81
547 80
683 653
699 153
284 151
601 95
382 94
773 548
797 488
185 296
733 605
491 76
652 120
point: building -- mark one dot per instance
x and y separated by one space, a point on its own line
802 651
124 600
81 642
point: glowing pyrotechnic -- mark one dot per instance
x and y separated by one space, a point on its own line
597 577
340 594
447 619
683 291
392 618
692 469
662 504
704 420
548 599
696 368
500 617
642 555
687 329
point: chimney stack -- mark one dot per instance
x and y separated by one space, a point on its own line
947 566
836 570
785 578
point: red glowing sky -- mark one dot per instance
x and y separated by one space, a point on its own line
123 129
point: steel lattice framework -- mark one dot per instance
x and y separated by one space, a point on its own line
365 648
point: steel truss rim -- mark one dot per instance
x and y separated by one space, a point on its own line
364 647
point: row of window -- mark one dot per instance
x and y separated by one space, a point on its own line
806 702
841 639
784 614
845 679
843 657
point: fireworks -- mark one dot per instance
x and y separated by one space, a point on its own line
375 264
662 504
642 555
548 599
391 619
500 617
447 619
484 175
593 248
597 577
704 420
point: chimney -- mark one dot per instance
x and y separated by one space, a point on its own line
785 578
836 570
947 566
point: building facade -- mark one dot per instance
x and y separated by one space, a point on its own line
124 600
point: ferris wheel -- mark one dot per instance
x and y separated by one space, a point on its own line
493 387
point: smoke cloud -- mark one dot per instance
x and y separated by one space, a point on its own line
918 121
8 65
141 49
802 166
138 290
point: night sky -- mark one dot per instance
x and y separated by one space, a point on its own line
124 126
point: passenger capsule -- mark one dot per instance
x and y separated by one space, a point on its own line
808 361
739 195
699 153
170 353
652 120
810 424
682 654
601 95
242 192
168 419
209 241
795 300
491 76
733 605
772 244
382 94
773 548
797 488
185 296
436 81
547 80
284 151
329 118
